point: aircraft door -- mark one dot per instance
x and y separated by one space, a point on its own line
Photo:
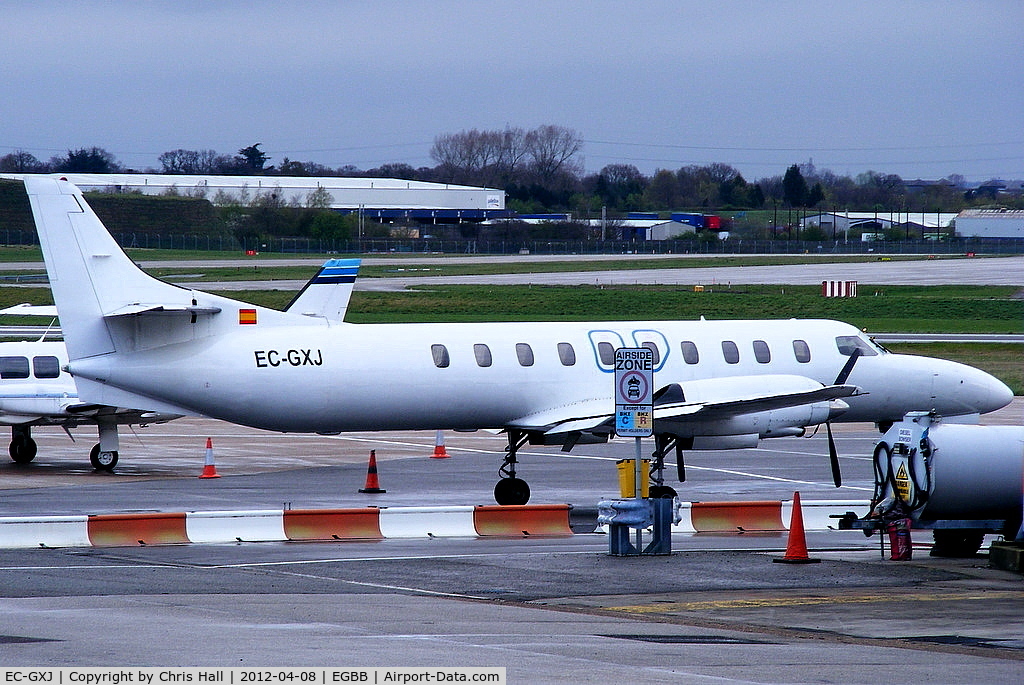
604 344
656 341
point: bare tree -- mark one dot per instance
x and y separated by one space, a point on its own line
552 151
21 162
190 161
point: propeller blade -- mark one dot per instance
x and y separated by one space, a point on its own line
833 456
848 367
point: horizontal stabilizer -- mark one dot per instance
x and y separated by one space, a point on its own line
133 309
26 309
119 414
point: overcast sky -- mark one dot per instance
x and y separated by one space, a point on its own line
920 89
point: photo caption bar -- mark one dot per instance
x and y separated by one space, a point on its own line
256 676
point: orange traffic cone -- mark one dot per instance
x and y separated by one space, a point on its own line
209 469
796 546
439 451
372 485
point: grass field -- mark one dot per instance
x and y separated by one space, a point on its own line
889 309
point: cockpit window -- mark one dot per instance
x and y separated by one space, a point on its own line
848 343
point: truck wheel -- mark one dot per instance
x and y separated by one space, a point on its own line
956 544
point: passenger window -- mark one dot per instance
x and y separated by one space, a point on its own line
525 354
761 352
654 348
45 367
801 351
483 354
441 359
730 352
13 367
607 353
848 343
690 355
566 354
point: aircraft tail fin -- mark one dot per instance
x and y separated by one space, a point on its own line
327 294
106 303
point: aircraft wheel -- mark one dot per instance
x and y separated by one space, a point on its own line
511 491
22 449
661 492
102 461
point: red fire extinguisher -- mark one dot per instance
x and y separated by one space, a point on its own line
899 539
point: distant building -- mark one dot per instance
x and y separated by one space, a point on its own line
377 198
646 229
918 224
990 223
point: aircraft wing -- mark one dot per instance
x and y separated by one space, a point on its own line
728 408
597 415
118 414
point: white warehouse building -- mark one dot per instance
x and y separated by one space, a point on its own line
990 223
376 197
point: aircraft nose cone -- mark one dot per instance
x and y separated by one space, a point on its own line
999 394
980 390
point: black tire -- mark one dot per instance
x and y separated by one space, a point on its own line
511 491
22 449
661 492
956 544
102 461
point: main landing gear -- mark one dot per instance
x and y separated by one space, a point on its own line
664 442
22 448
512 490
103 456
104 453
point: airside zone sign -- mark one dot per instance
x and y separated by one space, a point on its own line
634 392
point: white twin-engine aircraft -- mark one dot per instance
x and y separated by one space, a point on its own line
136 341
37 390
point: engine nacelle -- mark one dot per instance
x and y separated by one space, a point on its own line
951 471
741 413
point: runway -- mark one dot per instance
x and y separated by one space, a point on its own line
976 271
979 271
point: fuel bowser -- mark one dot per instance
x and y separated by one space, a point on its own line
962 481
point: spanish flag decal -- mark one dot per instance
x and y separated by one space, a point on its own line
246 316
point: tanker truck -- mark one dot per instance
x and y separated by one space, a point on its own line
961 481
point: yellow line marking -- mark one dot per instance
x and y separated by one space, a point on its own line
812 601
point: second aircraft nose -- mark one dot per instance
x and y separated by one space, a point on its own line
964 389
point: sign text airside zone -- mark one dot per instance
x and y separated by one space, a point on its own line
634 359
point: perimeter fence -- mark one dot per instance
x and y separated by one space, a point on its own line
313 246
